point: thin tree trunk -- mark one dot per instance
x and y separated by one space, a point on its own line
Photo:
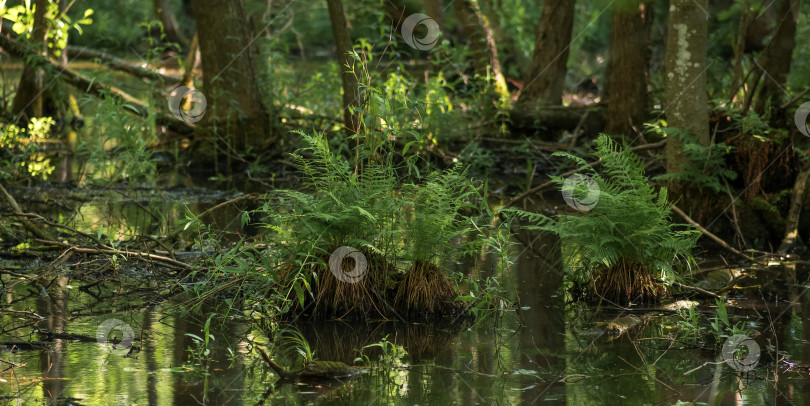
792 239
686 100
191 61
778 55
627 66
395 10
485 54
235 112
739 52
163 11
343 43
29 102
435 10
546 76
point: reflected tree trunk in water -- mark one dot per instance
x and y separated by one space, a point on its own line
54 308
149 347
539 278
224 386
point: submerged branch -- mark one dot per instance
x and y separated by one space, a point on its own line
284 374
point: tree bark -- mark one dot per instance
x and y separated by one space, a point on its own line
778 56
686 100
485 54
29 102
627 66
546 76
235 114
343 43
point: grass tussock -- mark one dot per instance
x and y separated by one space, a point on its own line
627 281
425 289
330 297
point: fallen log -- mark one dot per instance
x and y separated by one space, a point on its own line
119 64
590 118
93 87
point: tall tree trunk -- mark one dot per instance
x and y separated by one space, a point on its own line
627 66
778 55
235 113
546 76
343 43
485 54
29 102
686 100
163 11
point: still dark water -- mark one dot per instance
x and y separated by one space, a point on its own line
548 351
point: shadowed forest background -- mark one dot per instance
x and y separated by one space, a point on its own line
404 202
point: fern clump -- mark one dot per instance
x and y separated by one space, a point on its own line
624 248
406 231
338 207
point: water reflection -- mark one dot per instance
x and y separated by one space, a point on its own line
546 353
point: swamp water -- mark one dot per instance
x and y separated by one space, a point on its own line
548 351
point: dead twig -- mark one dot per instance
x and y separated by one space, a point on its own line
594 164
16 208
124 252
707 233
697 289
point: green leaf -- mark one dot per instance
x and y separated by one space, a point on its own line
299 292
